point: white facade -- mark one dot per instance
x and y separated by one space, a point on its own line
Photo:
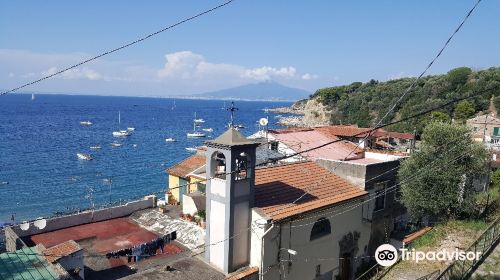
315 259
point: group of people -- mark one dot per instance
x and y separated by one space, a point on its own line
144 250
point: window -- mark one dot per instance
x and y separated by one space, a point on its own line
201 187
318 270
273 146
321 228
380 196
243 163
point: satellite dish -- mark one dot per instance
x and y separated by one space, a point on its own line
40 223
25 225
263 121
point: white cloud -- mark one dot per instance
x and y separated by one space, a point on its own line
75 73
267 73
188 65
308 77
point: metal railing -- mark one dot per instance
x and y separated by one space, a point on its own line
463 269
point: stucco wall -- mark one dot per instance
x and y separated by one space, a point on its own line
173 183
88 217
295 234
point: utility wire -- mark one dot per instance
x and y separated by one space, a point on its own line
121 47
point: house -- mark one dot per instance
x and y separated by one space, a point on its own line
486 128
181 174
287 221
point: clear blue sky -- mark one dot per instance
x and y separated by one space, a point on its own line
305 44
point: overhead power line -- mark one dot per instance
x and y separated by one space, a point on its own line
121 47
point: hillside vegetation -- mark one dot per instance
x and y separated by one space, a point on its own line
363 104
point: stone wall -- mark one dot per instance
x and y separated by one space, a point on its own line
88 217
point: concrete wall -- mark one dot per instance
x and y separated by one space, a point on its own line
12 240
72 262
295 234
88 217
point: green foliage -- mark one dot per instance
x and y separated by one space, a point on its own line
365 103
459 76
437 180
495 178
464 110
440 117
202 214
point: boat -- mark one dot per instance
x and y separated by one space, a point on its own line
32 97
4 183
191 149
130 128
135 145
121 133
208 129
86 123
195 134
83 156
224 106
170 139
95 147
173 106
240 126
116 144
200 120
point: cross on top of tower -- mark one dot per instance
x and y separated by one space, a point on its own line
232 109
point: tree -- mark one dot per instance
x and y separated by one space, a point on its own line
440 117
496 102
495 178
437 181
464 110
459 76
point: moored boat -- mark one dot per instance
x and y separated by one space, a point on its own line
83 156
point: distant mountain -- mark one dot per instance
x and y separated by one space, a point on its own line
260 91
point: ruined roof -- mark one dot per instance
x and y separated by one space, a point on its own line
67 248
231 137
278 186
302 141
183 168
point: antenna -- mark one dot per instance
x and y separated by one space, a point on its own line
232 109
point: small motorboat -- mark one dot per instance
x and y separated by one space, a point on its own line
130 128
196 134
191 149
135 145
86 123
121 133
208 129
4 183
96 147
116 144
170 139
83 156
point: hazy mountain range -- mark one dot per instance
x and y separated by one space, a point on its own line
260 91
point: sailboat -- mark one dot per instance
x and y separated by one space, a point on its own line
173 106
83 156
121 133
195 134
32 97
200 120
224 107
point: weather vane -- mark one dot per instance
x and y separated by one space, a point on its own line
232 109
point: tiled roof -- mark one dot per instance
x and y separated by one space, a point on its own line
277 187
67 248
304 140
343 130
231 138
183 168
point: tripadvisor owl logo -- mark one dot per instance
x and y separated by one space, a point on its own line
386 255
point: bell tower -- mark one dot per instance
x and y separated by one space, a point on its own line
229 199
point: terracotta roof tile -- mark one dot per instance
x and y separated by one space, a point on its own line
183 168
276 187
67 248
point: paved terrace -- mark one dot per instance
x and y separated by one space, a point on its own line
102 237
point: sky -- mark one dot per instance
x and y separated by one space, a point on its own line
304 44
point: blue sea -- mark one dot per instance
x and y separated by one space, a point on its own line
40 174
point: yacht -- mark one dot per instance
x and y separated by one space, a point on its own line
195 134
130 129
83 156
200 120
191 149
86 123
116 144
121 133
95 147
208 129
170 139
32 97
